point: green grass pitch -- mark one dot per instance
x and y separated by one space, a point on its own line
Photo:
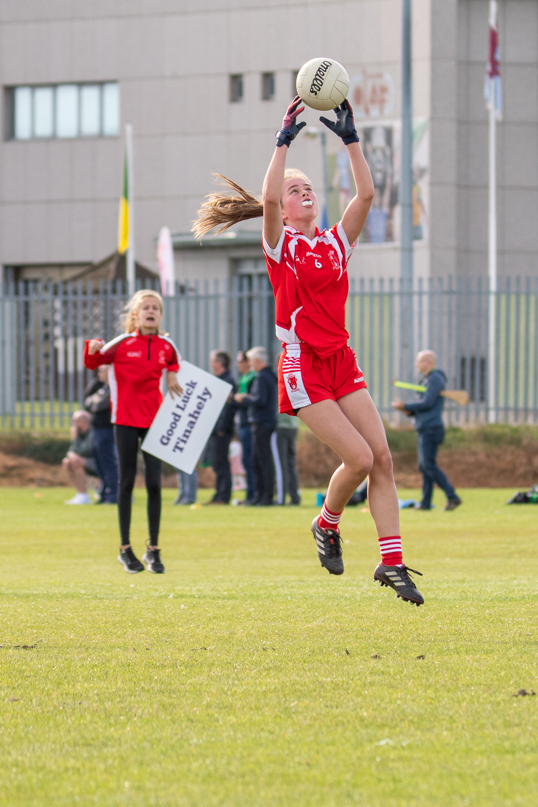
248 676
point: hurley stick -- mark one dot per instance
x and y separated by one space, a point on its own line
459 395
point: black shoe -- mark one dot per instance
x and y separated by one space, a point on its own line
453 503
152 559
397 577
329 548
129 560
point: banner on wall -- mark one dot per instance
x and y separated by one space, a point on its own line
381 144
372 94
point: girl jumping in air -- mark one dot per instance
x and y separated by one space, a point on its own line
319 378
139 360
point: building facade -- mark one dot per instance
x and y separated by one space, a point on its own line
205 86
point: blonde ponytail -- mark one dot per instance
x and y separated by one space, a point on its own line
130 312
225 209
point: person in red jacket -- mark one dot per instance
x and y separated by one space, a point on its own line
141 360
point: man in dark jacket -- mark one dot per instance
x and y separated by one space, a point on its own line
219 442
262 409
428 411
97 402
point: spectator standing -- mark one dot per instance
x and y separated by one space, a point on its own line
219 442
262 408
187 487
97 403
246 377
428 411
80 460
287 481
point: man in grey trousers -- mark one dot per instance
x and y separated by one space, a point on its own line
287 481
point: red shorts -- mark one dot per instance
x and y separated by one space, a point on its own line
305 377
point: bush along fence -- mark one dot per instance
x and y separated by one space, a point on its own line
43 328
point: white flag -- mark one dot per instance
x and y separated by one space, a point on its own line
165 259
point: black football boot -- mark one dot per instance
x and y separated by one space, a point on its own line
329 548
397 577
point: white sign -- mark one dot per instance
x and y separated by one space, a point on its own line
165 259
182 426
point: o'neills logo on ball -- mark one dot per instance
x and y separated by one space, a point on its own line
292 381
319 78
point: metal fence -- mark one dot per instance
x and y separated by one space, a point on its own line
43 329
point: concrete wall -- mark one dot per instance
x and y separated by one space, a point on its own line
172 58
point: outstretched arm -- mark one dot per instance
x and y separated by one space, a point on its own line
271 196
274 178
357 210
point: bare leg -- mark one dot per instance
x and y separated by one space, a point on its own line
328 422
74 465
361 412
353 429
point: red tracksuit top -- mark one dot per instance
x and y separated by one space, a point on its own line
138 364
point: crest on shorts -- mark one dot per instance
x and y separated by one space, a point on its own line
292 381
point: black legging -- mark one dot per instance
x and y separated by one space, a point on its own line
127 438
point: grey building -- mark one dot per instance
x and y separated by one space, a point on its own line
205 86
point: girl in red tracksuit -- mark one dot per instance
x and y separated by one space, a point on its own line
140 359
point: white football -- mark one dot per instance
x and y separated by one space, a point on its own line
322 83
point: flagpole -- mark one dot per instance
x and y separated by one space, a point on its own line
407 323
131 276
492 263
494 109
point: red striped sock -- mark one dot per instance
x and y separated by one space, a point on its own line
329 520
391 550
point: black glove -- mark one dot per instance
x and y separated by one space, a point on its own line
290 129
345 125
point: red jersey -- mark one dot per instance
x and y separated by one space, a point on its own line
310 284
138 364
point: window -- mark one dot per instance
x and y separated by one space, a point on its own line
111 109
268 86
90 108
64 111
236 88
43 108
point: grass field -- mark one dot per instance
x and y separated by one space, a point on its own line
248 676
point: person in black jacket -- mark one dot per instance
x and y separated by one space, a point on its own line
97 402
219 442
262 401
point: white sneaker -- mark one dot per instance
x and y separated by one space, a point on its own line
80 498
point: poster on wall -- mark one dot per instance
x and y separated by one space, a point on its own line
381 144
